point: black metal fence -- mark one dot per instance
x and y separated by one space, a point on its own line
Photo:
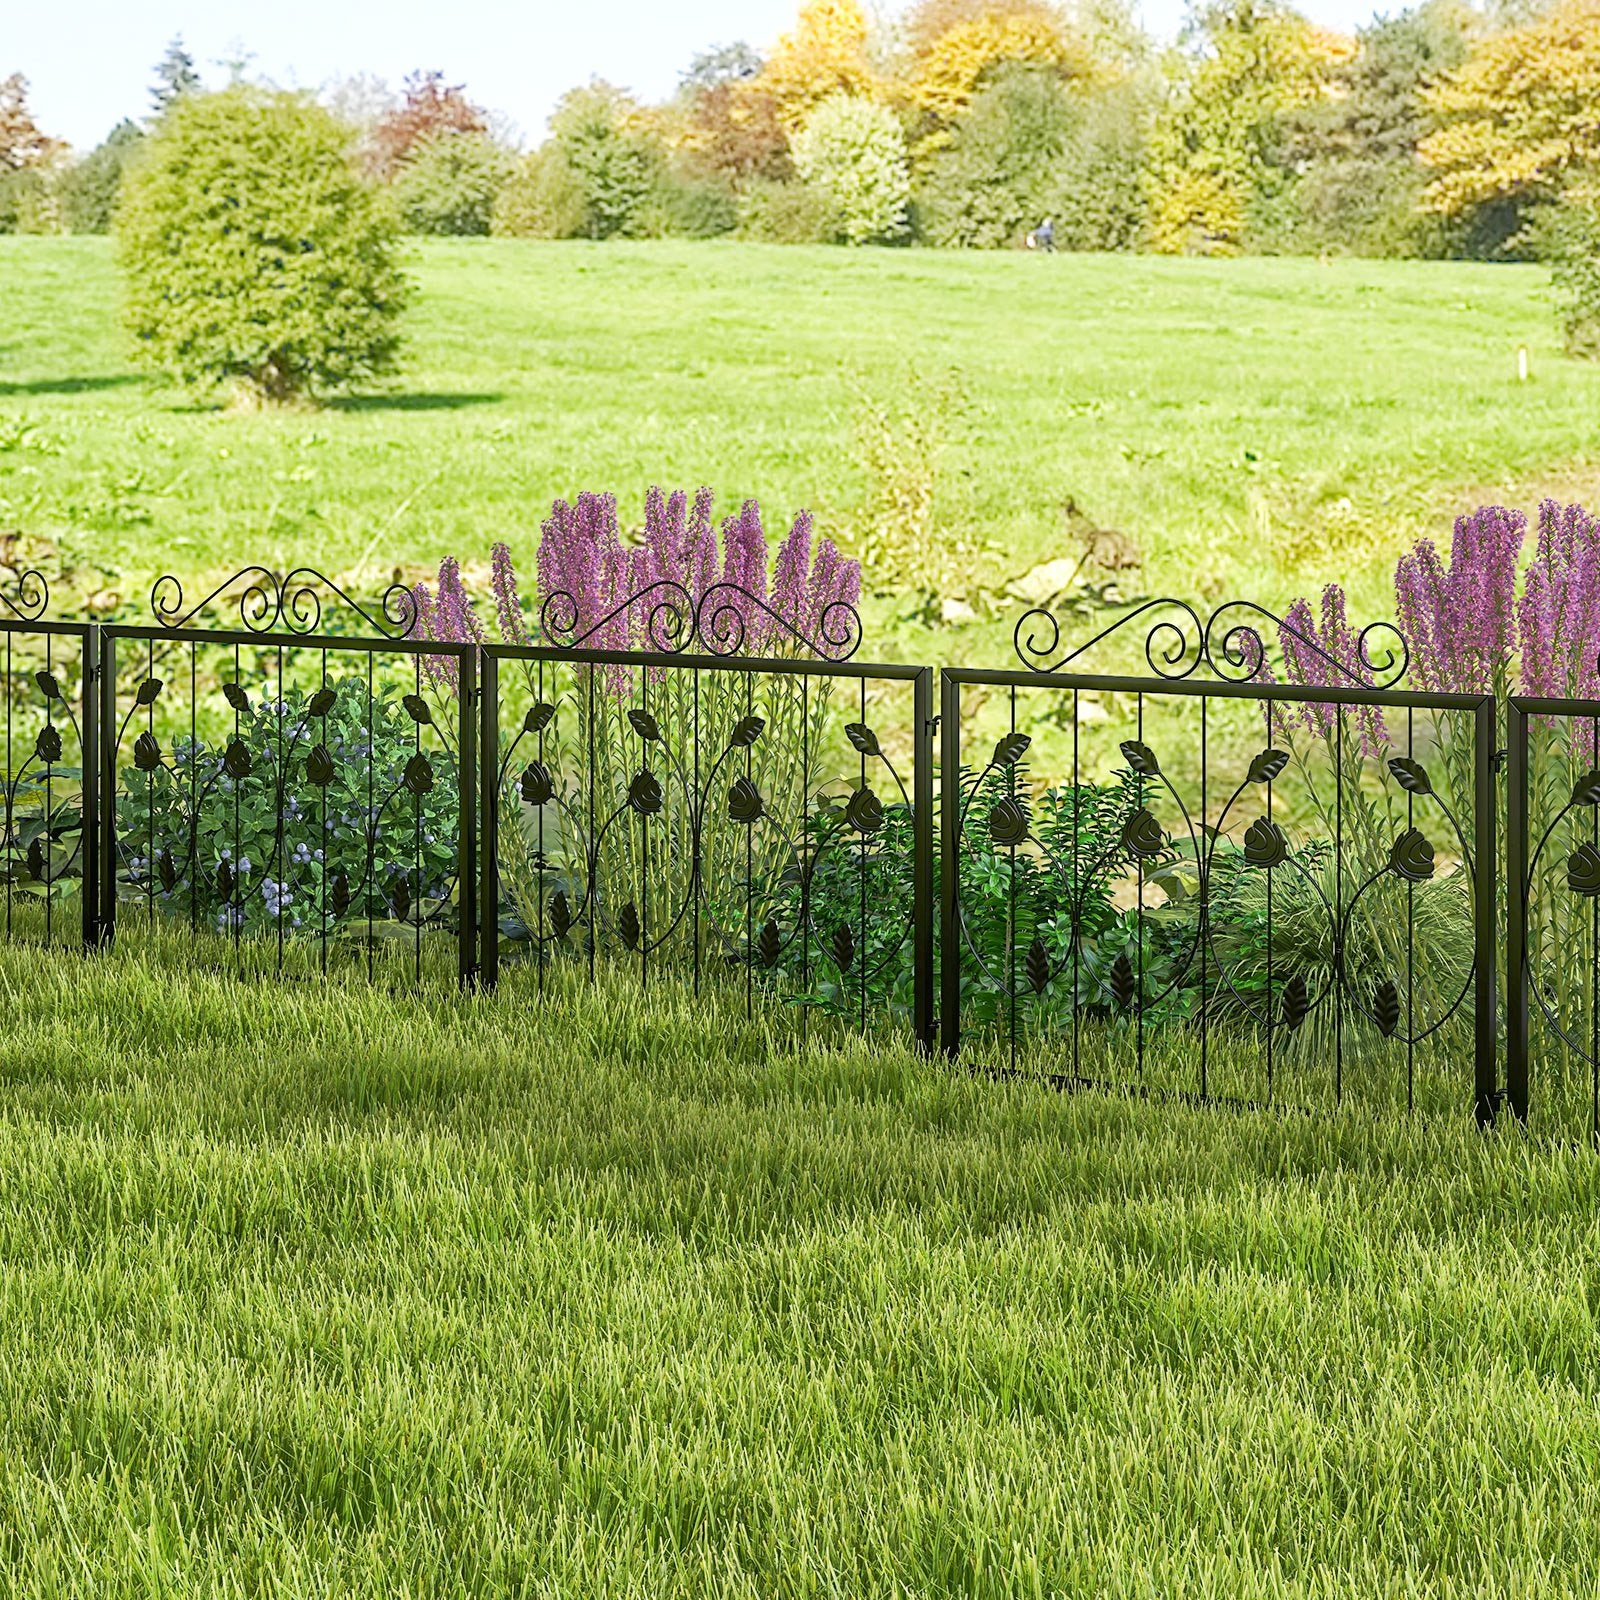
1167 860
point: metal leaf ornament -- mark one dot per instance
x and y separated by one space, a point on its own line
322 702
319 766
236 760
400 896
1586 792
1008 823
1265 845
644 793
48 745
745 803
1411 857
1268 765
418 778
628 926
1011 749
538 719
560 913
340 899
234 694
1141 759
226 879
863 738
537 786
48 686
1142 837
864 812
768 947
148 692
36 860
1296 1002
1037 965
844 947
745 732
1386 1008
166 871
644 725
146 752
1124 982
1411 775
417 709
1583 871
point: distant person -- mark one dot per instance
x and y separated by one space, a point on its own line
1045 235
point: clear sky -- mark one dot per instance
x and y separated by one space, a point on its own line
90 61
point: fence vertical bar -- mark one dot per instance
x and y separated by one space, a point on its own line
107 759
489 823
922 856
89 737
950 872
467 821
1485 953
1517 888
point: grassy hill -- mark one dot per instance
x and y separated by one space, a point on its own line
1255 426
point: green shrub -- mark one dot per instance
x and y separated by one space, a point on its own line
30 201
90 189
542 199
852 152
785 213
253 252
691 208
450 183
1567 237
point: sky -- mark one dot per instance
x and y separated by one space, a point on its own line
90 61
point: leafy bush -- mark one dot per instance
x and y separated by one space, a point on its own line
450 182
853 153
254 253
785 213
688 207
90 189
1567 237
542 199
312 817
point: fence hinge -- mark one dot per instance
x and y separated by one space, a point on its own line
932 726
1498 760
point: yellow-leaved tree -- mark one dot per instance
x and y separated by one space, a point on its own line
828 53
1520 117
945 78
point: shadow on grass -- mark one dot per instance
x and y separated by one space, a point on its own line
43 386
413 402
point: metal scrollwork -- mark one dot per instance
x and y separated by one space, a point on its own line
291 602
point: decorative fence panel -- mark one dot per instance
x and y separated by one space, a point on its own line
1553 954
758 826
1205 883
52 781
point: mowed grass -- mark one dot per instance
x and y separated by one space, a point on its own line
360 1294
1256 426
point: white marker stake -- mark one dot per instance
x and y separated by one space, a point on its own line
1522 363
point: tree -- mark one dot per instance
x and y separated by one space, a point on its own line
450 182
719 67
1517 118
1358 146
828 53
1221 173
254 253
853 153
430 107
90 189
22 142
733 131
602 142
176 76
956 63
543 199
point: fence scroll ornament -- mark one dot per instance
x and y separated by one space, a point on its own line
291 602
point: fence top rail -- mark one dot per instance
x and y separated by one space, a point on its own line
70 630
1318 694
348 643
786 666
1545 706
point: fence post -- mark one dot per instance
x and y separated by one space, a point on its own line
922 858
489 829
467 821
1486 920
950 880
106 756
1517 910
90 821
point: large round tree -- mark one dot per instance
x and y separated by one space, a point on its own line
254 253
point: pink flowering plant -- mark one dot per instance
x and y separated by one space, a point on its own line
683 586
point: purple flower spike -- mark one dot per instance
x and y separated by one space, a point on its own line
1329 654
507 598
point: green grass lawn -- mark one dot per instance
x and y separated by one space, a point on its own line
1257 426
380 1295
